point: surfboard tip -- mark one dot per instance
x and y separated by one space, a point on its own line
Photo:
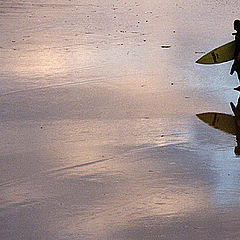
199 61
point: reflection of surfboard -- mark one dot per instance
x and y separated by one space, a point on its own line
222 121
221 54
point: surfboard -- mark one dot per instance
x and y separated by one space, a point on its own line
218 55
221 121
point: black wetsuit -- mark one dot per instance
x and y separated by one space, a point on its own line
236 63
236 111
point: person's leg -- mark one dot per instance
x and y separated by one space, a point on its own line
238 74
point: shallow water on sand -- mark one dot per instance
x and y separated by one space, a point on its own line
99 134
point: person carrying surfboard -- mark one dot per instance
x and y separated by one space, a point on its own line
236 63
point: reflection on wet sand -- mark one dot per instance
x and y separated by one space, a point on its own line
99 138
118 186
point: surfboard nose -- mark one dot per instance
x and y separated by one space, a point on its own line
199 61
218 55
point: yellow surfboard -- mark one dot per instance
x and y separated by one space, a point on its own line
218 55
222 121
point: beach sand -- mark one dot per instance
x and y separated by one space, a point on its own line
99 134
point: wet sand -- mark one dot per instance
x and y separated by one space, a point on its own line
99 134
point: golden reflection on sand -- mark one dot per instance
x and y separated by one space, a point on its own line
41 62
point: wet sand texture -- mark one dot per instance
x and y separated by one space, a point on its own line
99 138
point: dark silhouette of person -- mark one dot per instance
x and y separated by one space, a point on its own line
236 63
236 111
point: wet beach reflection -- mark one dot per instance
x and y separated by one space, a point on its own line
99 138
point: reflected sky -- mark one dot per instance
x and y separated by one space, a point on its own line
100 138
227 189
